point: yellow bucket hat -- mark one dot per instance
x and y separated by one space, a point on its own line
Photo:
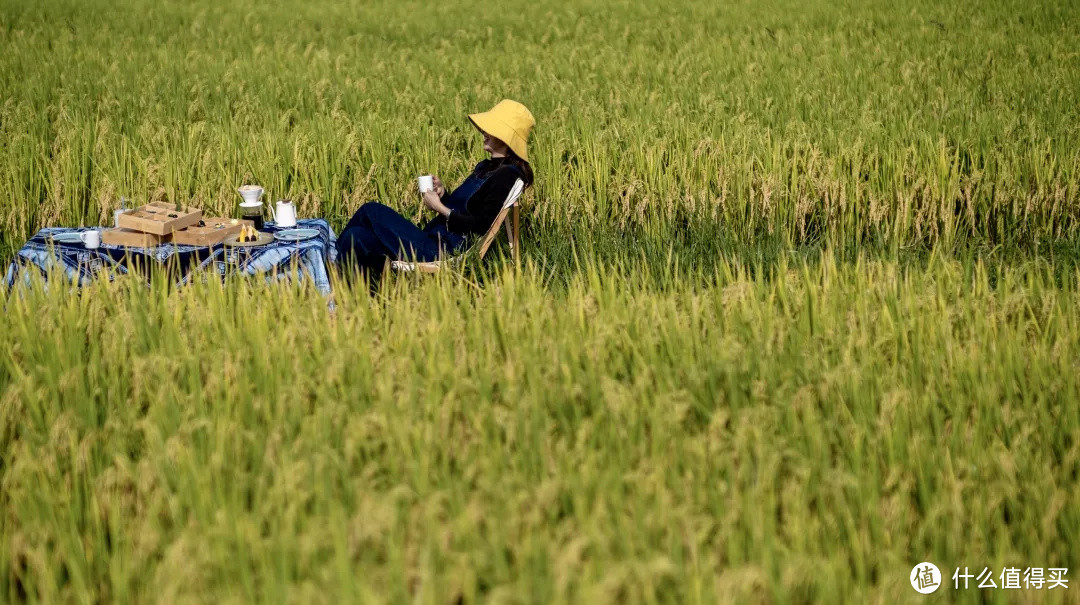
510 122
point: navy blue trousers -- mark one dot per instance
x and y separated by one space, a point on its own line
377 232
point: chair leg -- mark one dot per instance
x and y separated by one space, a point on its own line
516 240
510 238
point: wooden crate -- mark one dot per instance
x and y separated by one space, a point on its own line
159 218
130 238
209 232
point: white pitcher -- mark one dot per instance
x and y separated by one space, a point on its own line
285 216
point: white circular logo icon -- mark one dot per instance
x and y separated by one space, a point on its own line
925 578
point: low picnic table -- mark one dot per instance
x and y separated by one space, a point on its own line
309 258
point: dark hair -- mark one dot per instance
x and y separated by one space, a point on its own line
526 170
510 159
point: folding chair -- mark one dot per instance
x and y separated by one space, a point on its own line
512 233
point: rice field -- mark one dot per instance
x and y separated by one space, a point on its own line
798 305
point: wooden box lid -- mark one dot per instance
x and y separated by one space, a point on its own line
208 232
129 238
159 218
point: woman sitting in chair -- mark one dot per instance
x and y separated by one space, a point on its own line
377 232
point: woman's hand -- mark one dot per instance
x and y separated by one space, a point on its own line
440 190
432 201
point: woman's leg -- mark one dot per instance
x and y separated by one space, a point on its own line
359 245
360 253
360 217
386 232
376 233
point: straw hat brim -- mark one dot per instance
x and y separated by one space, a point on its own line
496 127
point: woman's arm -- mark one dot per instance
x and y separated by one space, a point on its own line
484 205
434 202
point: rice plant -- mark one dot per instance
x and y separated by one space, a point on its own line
799 305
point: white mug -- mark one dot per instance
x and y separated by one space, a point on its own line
426 183
91 239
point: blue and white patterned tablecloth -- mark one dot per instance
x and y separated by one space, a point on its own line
278 259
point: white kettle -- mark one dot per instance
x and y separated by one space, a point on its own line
285 215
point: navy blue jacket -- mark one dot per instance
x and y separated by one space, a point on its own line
477 201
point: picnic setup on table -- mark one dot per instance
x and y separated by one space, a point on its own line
179 239
164 233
